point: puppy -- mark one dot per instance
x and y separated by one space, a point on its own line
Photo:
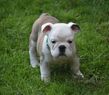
52 40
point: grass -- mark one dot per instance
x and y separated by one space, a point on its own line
17 77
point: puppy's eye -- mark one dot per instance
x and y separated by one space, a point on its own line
69 41
53 42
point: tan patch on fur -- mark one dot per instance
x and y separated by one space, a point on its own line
40 42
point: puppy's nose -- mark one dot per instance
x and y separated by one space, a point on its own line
62 48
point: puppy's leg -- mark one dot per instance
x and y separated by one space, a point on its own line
44 68
32 52
76 68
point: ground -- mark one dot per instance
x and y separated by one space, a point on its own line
17 77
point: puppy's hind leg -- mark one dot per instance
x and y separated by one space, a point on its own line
32 52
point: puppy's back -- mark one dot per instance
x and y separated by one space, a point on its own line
44 18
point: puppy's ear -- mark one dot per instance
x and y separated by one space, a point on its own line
74 27
46 27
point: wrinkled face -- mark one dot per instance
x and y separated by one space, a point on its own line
60 39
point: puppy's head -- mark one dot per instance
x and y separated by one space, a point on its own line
60 38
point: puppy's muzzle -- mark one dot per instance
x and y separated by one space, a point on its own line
62 50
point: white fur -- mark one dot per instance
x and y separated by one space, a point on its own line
32 54
61 33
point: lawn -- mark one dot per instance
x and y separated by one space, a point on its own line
17 77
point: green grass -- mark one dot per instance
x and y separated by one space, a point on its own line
17 77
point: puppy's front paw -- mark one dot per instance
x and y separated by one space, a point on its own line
46 79
78 75
34 63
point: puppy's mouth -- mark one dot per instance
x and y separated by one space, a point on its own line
62 54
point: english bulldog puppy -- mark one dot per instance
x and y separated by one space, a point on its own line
51 40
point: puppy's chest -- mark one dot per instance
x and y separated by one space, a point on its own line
61 60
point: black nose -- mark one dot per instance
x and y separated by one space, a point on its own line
62 48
